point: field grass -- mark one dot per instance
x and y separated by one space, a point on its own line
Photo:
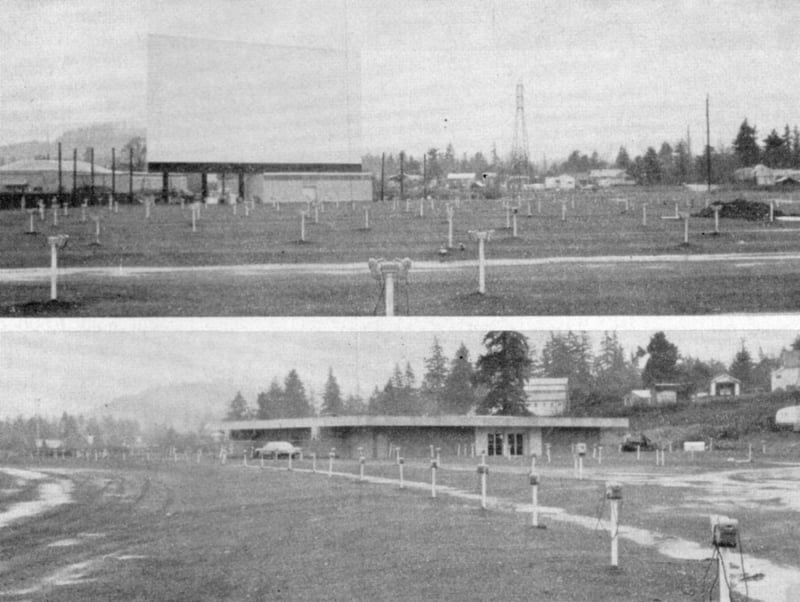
189 532
597 226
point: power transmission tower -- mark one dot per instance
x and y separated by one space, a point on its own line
520 168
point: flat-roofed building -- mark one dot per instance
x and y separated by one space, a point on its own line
379 436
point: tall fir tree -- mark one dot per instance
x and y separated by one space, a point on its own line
296 404
332 404
745 146
238 409
662 364
504 369
458 393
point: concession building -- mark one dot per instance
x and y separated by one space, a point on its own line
506 436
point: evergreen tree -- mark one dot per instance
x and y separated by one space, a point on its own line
742 367
458 395
296 404
652 167
569 356
332 404
237 409
662 364
354 406
504 369
774 150
745 146
270 403
623 160
614 374
435 370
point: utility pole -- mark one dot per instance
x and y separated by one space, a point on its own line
708 148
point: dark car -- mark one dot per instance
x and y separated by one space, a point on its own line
631 444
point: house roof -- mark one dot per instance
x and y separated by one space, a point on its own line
725 378
640 393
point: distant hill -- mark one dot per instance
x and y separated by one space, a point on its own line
102 136
184 406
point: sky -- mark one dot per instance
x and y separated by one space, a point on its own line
597 75
80 364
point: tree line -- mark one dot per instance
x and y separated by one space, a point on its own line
495 382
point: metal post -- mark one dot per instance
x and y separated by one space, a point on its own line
113 171
91 172
60 181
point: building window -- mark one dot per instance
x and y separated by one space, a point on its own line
515 444
495 444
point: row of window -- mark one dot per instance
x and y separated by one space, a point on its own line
494 444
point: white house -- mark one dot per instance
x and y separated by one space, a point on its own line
605 178
787 376
562 182
547 396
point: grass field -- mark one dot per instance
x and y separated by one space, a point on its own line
597 225
182 531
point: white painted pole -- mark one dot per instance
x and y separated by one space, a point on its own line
361 461
716 220
194 218
580 467
686 230
638 452
481 266
30 228
547 451
514 225
772 211
749 452
314 462
302 226
483 470
53 270
389 283
534 500
614 532
366 218
331 454
422 207
450 227
563 212
55 215
289 465
434 465
599 454
644 215
400 462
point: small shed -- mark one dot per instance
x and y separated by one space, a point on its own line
637 397
725 385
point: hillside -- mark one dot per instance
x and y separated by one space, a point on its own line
102 136
183 406
731 423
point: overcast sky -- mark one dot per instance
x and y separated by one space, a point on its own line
597 75
85 363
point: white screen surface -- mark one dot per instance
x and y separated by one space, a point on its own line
234 102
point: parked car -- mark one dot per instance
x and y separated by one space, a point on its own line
631 444
278 449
